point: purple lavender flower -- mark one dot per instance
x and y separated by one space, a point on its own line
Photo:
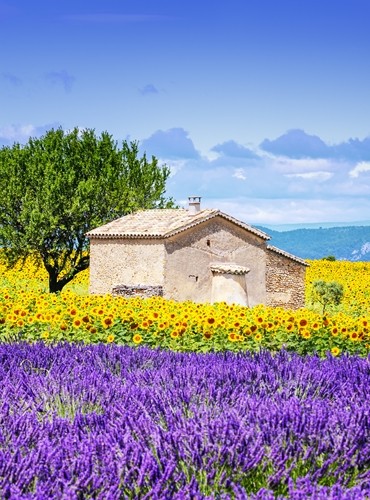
112 422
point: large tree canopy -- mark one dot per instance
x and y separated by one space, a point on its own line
57 187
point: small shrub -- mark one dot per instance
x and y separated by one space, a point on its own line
327 293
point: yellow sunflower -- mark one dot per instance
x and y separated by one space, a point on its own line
137 339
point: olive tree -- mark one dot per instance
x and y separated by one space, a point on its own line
57 187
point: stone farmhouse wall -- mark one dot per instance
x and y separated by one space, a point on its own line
285 280
187 272
129 262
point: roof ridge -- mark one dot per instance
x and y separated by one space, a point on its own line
153 223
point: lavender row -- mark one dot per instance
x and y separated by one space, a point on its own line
111 422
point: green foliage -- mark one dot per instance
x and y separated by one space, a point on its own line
327 293
330 258
56 188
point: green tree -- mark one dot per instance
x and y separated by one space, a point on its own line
56 188
330 258
327 293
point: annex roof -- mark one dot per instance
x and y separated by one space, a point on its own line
228 268
287 254
162 223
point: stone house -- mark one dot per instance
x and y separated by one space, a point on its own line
203 255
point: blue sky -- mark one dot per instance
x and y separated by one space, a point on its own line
262 107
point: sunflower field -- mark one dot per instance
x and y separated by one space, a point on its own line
28 313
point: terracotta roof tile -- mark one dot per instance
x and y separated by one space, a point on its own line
162 223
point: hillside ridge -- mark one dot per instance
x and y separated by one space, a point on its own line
344 243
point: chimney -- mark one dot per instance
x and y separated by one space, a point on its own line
194 205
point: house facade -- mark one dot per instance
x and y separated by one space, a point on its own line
194 254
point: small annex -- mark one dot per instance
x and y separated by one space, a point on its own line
202 255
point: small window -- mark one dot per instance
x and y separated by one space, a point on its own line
208 243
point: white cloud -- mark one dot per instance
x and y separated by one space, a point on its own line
21 133
174 165
17 132
314 176
291 211
294 166
279 190
239 173
363 166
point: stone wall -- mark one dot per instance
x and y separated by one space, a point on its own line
125 261
144 291
285 281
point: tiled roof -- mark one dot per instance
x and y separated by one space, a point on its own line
162 223
287 254
228 268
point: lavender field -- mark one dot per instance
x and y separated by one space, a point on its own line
109 422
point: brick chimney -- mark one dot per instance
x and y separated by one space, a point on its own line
194 205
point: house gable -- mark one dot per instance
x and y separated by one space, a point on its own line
191 254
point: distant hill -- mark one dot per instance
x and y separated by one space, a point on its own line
315 225
344 243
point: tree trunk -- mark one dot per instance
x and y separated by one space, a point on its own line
56 285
